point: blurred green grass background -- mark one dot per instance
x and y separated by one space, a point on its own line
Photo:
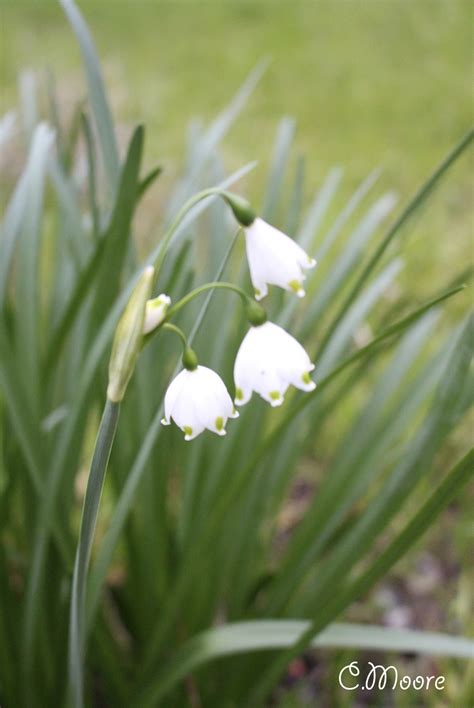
370 83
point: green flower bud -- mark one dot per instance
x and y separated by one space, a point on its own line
128 337
241 208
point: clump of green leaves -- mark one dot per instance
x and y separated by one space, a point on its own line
188 534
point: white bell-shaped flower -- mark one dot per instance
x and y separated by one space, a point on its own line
268 361
197 400
155 312
275 259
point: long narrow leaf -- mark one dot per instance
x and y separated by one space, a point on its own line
98 98
191 562
99 463
419 198
262 635
424 518
124 503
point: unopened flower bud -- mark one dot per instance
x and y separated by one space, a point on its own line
155 312
128 337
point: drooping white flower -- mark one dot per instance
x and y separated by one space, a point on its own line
155 312
268 361
275 259
198 400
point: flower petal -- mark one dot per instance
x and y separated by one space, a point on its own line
197 400
275 259
172 393
268 361
211 400
155 312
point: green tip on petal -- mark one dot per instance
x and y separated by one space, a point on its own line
239 394
296 287
187 430
220 423
306 378
257 292
275 395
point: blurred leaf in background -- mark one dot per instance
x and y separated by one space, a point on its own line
292 521
369 83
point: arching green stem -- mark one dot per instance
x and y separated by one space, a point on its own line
190 360
173 328
247 300
240 207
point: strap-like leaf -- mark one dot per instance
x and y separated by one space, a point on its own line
90 511
110 539
262 635
423 519
413 205
191 562
97 94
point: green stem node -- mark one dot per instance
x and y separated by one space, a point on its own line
241 208
190 360
256 314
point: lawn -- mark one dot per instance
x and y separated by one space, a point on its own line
375 83
369 83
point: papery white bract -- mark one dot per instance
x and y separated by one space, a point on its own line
198 400
155 312
268 361
128 338
275 259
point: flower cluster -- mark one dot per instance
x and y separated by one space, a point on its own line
269 359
